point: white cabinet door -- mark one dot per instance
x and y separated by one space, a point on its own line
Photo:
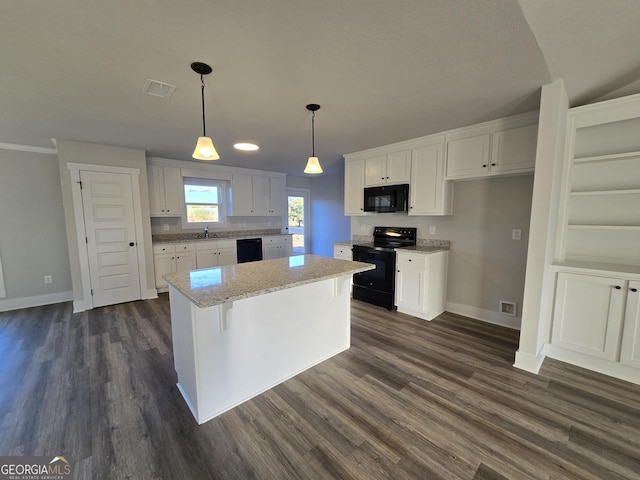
185 261
227 256
630 351
429 193
155 182
375 171
270 251
468 157
173 191
587 315
398 167
206 259
278 196
514 149
241 194
410 288
354 188
163 263
261 195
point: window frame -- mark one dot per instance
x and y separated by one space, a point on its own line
222 202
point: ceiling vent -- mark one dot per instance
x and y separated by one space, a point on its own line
158 89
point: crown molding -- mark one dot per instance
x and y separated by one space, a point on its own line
27 148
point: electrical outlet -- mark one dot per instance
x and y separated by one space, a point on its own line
516 234
432 229
165 227
48 279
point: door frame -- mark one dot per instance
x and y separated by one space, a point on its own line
306 193
86 303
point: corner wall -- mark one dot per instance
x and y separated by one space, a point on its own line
33 241
328 222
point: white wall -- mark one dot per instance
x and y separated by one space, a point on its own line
485 265
33 241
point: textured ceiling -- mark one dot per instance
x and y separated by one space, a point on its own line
382 71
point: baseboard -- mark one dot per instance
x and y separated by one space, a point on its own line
35 301
530 363
484 315
149 294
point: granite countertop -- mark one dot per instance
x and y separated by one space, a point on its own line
424 249
346 244
230 235
214 286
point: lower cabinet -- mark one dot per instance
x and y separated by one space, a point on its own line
342 252
276 246
172 258
598 318
421 280
216 253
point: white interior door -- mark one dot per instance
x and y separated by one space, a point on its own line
107 202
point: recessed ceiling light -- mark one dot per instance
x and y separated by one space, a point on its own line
246 146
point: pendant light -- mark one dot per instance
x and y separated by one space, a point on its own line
313 164
204 148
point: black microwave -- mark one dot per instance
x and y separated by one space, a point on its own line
390 198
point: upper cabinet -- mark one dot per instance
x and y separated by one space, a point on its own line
429 194
258 195
165 194
353 188
393 168
430 164
492 149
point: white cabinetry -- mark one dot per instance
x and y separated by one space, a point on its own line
172 258
630 349
216 253
480 152
165 191
276 246
258 195
421 280
429 193
588 314
596 322
393 168
354 187
342 252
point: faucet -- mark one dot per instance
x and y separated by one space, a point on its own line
206 231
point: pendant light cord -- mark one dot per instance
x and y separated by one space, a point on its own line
313 134
204 127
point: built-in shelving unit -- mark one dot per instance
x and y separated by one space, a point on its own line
601 218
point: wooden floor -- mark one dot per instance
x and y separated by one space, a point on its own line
410 399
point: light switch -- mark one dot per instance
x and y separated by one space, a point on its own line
516 234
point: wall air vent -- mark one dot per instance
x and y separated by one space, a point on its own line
158 89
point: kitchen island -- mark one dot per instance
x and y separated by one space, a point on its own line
240 330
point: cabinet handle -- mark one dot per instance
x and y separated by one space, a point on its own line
634 290
409 259
131 244
381 178
493 164
617 287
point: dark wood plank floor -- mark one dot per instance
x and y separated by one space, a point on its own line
410 399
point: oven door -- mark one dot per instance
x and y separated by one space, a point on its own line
383 277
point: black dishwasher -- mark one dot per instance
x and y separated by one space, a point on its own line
249 249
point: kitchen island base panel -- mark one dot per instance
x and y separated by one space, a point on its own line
227 354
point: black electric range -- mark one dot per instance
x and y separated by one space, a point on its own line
378 286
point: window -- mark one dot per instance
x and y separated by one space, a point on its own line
203 200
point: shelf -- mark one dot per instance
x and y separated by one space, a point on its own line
607 158
603 227
634 191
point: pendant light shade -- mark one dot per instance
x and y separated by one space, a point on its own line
204 148
313 163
